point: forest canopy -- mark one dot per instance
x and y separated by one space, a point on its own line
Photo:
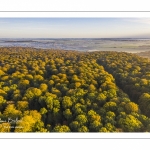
72 91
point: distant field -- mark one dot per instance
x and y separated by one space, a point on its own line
79 44
144 54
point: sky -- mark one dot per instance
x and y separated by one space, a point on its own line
75 27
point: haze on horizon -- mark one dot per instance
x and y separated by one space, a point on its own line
74 27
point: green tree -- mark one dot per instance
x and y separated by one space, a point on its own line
62 128
24 84
66 102
110 106
2 102
32 93
131 107
91 88
82 119
144 103
68 114
49 103
83 129
130 124
74 126
101 99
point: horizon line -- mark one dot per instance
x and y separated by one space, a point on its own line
76 38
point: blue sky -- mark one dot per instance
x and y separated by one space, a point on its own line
74 27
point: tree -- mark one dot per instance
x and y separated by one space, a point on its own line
83 129
38 78
92 96
11 112
56 103
91 88
111 93
26 124
103 129
110 106
110 118
43 111
43 87
74 126
2 72
30 122
68 114
110 127
2 103
3 93
101 99
16 95
75 78
49 103
22 105
5 127
77 84
130 124
131 107
56 91
143 82
51 83
82 119
62 128
144 103
24 84
95 126
66 102
32 93
93 116
29 77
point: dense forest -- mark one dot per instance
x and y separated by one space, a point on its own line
72 91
